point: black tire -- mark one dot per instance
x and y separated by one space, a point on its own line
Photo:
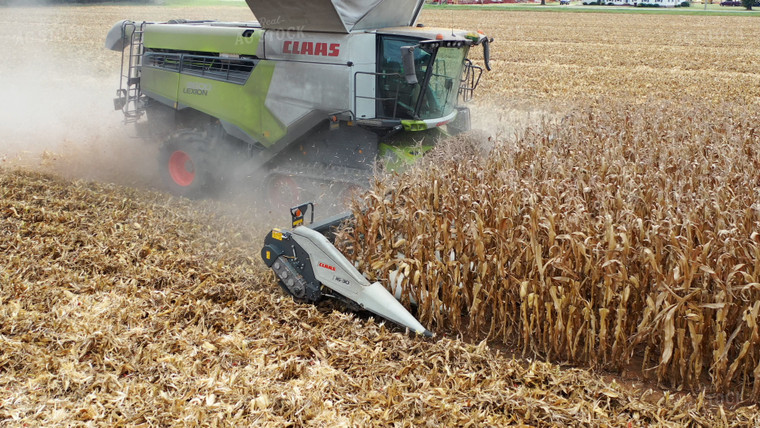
186 165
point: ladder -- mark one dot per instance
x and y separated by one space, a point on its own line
129 97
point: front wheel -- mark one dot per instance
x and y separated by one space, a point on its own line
186 165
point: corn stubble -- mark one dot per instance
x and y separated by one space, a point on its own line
599 239
119 307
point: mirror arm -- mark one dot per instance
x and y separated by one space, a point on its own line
487 53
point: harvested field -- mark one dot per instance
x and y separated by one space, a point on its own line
556 60
616 163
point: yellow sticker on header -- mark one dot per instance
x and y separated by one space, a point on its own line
269 255
277 234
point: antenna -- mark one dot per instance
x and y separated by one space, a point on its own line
452 21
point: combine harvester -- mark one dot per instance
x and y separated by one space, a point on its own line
303 103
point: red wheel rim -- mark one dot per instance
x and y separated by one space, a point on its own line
284 192
181 168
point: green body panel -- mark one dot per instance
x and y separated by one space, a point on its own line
406 148
242 106
199 38
414 125
160 82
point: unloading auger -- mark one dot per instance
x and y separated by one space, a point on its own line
309 267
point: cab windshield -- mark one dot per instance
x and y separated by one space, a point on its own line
438 76
443 85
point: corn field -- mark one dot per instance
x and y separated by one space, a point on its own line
602 238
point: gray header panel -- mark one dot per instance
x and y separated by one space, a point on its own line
335 16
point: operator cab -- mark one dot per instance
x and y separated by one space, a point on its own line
421 74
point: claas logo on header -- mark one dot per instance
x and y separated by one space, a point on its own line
326 266
311 48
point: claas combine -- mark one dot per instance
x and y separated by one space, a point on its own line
302 104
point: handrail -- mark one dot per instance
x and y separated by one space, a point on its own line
469 80
376 98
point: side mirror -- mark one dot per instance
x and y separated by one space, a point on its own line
407 59
487 54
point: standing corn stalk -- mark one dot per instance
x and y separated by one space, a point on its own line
610 235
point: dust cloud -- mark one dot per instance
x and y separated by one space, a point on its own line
57 84
56 113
